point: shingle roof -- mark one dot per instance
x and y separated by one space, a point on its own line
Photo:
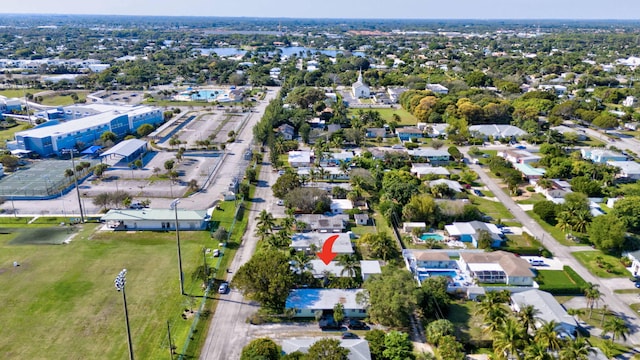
511 264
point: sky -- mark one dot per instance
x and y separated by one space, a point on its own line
395 9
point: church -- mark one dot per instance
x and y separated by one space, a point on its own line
359 89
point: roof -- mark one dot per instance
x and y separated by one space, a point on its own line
343 204
529 170
546 304
91 149
300 156
71 125
323 299
408 130
453 185
431 256
471 228
125 148
318 268
429 153
509 263
155 214
304 240
358 348
424 170
497 130
316 221
364 217
628 167
370 267
344 155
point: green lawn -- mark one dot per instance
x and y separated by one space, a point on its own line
554 231
18 93
492 208
59 100
64 296
406 118
9 134
561 282
468 326
590 260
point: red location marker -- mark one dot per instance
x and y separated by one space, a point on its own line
326 255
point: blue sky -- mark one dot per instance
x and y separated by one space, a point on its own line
401 9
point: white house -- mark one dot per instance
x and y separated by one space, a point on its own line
307 241
339 206
549 309
628 169
307 301
434 260
634 256
359 89
369 267
498 267
519 156
1 170
602 155
630 101
156 219
421 170
451 184
497 131
300 158
358 348
408 227
470 232
437 88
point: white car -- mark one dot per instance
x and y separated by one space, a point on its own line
280 202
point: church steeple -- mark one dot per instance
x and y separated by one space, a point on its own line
360 77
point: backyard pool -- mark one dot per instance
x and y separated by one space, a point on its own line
431 236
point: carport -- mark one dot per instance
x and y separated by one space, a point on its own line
127 150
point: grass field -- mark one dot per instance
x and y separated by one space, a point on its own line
590 260
492 208
63 295
9 134
406 118
18 93
59 100
554 231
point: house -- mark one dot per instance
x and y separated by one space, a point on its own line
421 170
156 219
434 260
497 131
307 301
549 309
286 131
519 156
559 90
408 133
630 101
319 269
336 158
395 92
372 133
361 219
633 126
634 256
470 232
324 173
309 241
556 193
358 348
628 169
322 223
1 170
498 267
300 158
602 155
564 130
433 130
359 89
408 227
437 88
368 268
451 184
432 156
529 172
339 206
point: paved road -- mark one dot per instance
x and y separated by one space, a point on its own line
228 329
563 253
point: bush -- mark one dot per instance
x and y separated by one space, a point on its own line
411 145
530 189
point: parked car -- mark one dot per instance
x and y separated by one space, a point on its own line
327 323
478 192
349 335
521 147
354 324
224 288
280 202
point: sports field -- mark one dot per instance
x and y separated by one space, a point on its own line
60 303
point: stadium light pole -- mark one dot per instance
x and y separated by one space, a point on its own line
174 207
120 282
75 179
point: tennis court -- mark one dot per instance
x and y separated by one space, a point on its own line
41 179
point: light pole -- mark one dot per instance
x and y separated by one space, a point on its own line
75 179
170 343
120 282
174 207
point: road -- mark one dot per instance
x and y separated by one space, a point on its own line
563 253
228 329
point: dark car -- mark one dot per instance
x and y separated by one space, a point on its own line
349 335
478 193
356 325
224 288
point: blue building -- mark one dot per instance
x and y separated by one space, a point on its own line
8 105
52 137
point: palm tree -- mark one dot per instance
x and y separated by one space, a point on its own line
564 221
528 315
302 262
593 295
350 265
578 349
288 223
580 220
547 336
617 327
265 221
509 339
536 351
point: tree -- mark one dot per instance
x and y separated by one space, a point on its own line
528 315
450 348
251 175
9 162
338 313
266 278
398 346
437 329
144 130
536 351
261 349
399 185
547 336
455 153
285 184
391 310
350 265
327 349
108 136
432 298
484 240
376 339
509 339
308 200
99 170
381 245
265 222
168 165
628 209
421 207
547 210
593 295
607 232
102 200
617 327
578 349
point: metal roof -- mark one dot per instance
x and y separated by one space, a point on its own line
125 148
155 214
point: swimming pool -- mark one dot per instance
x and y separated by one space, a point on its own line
431 236
423 275
204 94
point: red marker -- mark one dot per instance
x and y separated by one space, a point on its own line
326 255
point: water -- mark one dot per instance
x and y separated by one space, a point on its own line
204 94
285 51
431 236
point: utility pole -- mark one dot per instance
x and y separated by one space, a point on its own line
170 343
75 179
174 207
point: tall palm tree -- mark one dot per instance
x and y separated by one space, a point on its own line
350 265
547 336
528 315
536 351
578 349
564 221
266 221
302 261
580 220
617 327
509 339
593 295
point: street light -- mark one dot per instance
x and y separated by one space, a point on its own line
75 179
174 207
120 282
